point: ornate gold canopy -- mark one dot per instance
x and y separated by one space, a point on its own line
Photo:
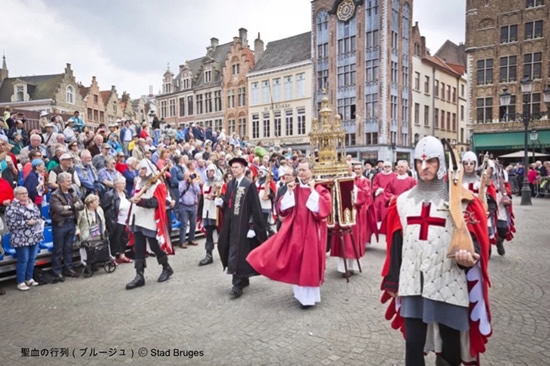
328 137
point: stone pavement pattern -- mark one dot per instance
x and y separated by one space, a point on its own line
266 326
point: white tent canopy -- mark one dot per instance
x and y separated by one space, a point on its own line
521 154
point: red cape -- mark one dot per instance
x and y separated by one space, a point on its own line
479 229
381 180
6 192
296 253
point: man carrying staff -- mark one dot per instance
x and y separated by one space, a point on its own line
296 253
243 227
147 221
433 294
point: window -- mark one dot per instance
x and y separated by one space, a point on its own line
301 121
426 116
416 113
96 99
371 138
182 107
208 102
454 94
20 93
218 101
101 116
186 83
405 110
448 121
231 126
485 72
90 114
509 33
346 45
436 118
255 95
394 75
350 139
506 111
322 79
454 122
442 91
322 51
393 107
242 127
508 69
289 122
267 124
427 84
372 71
442 124
70 94
255 126
394 40
417 81
208 124
533 3
346 76
277 90
532 103
372 40
236 68
199 103
448 93
372 7
405 76
277 123
405 139
167 87
346 108
371 104
288 87
163 109
190 105
231 98
242 97
462 113
436 88
301 84
533 30
172 108
208 76
266 94
532 65
462 90
484 110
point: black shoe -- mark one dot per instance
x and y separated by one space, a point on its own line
138 281
70 273
167 271
2 292
235 292
305 307
500 247
58 278
206 260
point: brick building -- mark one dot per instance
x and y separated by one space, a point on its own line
93 103
506 43
362 56
113 110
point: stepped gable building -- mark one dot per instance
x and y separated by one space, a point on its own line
93 103
280 87
112 104
507 42
362 55
57 92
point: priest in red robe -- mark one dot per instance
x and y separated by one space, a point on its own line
296 253
379 184
401 183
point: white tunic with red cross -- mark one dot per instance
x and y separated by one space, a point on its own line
425 269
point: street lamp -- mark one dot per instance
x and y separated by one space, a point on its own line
534 137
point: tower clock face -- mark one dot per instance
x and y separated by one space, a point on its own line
346 10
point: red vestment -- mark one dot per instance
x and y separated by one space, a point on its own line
394 189
296 253
381 180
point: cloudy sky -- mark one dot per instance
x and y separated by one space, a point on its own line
129 43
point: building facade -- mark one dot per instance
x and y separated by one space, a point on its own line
439 96
362 56
280 86
93 104
506 42
58 92
113 111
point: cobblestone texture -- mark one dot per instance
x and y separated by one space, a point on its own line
266 326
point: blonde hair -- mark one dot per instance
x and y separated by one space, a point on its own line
90 199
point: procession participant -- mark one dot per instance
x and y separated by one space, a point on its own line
434 295
147 221
296 253
366 212
211 189
243 227
379 184
504 214
287 175
401 183
266 194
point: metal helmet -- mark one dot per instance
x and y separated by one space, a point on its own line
470 156
428 148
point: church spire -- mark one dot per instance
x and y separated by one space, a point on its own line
4 66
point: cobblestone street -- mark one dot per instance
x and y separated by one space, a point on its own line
266 326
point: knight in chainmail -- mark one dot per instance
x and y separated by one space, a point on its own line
431 290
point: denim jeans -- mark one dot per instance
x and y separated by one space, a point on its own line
63 238
188 214
26 257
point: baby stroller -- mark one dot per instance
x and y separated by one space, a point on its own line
96 253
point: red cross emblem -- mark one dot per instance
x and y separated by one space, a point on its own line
424 156
425 220
471 188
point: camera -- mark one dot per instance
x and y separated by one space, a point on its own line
193 176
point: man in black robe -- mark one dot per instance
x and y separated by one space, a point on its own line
243 226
